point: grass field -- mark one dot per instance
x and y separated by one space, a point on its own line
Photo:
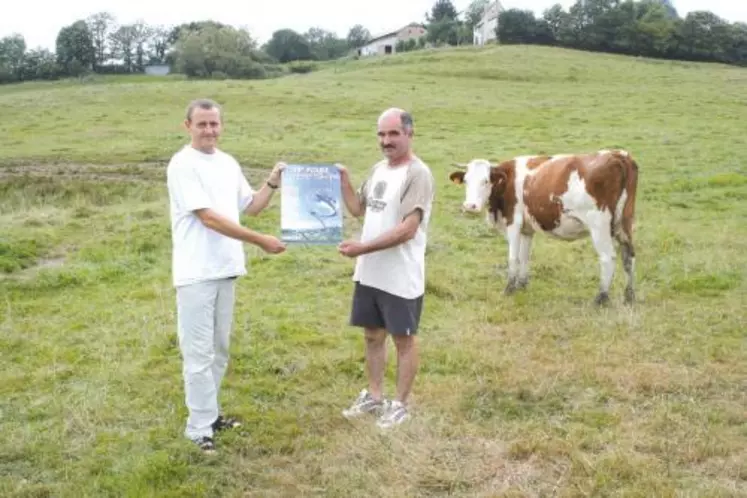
539 394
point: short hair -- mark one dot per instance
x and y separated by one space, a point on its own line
407 122
206 104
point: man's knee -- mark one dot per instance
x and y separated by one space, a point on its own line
198 362
198 352
375 335
404 343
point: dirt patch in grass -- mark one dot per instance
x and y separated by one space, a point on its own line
125 172
96 172
24 259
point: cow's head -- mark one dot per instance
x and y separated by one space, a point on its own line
479 177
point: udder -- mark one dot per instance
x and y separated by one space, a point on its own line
570 228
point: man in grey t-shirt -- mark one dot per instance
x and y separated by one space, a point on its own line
396 200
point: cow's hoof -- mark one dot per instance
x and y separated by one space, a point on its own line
510 288
522 284
602 299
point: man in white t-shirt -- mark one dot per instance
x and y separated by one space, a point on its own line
396 200
207 192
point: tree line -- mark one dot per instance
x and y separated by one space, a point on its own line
209 49
100 45
649 28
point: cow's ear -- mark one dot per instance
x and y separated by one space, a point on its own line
457 177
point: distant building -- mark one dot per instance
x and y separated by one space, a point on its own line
386 43
157 69
485 29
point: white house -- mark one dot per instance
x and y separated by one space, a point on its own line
485 29
386 43
157 69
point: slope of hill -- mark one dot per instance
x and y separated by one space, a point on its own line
530 395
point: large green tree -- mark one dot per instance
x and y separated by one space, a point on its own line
358 36
12 49
444 26
215 51
287 45
76 53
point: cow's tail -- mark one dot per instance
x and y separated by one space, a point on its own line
623 231
625 217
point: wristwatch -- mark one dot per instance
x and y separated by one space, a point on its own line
271 185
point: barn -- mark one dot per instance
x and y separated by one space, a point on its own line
386 43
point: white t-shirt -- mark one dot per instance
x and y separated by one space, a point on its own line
199 180
389 195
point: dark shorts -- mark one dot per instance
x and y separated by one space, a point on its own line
376 309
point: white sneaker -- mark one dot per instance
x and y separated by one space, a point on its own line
363 405
395 412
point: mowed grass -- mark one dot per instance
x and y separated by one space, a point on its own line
538 394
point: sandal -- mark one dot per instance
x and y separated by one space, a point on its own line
206 444
223 423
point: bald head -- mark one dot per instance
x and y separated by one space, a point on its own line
396 116
395 134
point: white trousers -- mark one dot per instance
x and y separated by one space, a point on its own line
204 319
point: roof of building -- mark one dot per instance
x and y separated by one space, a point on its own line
393 33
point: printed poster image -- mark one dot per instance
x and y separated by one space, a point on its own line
311 204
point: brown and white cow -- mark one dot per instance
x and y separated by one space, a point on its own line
567 197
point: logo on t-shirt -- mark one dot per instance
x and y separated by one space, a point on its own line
379 189
375 203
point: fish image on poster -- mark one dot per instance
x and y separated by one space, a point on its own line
311 204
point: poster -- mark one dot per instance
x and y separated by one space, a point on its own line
311 204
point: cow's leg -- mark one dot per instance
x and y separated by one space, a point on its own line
525 251
601 236
627 251
514 242
628 258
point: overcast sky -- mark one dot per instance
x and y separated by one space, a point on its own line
39 21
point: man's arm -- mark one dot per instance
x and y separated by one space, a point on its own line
261 199
415 200
189 194
226 227
400 234
353 201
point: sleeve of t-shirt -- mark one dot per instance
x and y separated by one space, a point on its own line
246 192
418 192
187 189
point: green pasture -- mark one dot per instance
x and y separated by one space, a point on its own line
538 394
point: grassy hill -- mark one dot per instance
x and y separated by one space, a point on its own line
531 395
